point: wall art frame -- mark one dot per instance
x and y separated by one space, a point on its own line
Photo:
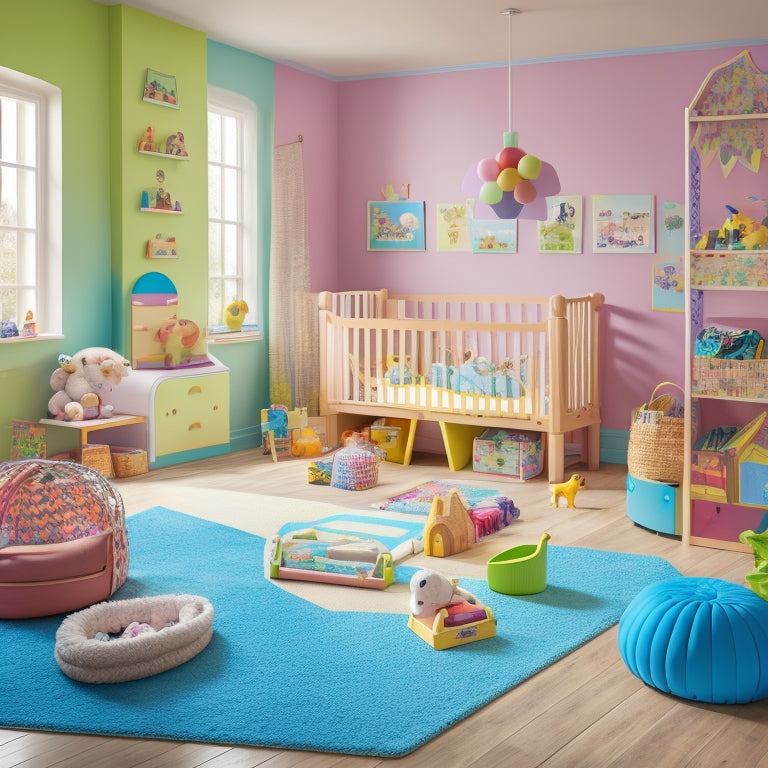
396 226
161 89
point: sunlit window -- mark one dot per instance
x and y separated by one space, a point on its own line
232 245
30 206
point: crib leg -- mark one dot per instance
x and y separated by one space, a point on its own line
593 446
556 457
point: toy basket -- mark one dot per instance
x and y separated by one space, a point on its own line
98 457
656 437
355 469
129 462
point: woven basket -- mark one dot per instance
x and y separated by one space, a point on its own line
354 469
98 457
656 439
129 462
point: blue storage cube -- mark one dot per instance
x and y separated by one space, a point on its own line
654 505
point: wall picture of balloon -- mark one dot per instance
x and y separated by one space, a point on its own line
396 226
562 230
623 224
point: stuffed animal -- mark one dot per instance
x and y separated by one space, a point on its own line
431 591
234 314
567 490
177 336
82 380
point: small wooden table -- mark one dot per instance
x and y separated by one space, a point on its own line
94 425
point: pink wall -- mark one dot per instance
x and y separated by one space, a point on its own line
608 126
306 105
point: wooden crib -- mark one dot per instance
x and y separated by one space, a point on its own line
466 362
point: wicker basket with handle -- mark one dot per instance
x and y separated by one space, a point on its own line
656 438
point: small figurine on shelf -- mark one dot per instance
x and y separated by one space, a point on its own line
30 326
174 145
159 198
147 141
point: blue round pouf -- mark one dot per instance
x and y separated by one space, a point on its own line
698 638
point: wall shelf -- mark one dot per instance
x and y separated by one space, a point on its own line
163 154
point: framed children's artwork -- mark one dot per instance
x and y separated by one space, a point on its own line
396 226
562 231
623 224
668 293
27 440
161 89
453 226
494 235
668 289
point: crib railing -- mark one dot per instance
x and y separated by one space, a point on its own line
531 358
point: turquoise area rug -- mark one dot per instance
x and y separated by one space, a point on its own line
282 672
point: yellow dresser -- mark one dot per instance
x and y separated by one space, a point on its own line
187 411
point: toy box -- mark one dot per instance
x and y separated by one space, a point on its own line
508 452
654 505
395 437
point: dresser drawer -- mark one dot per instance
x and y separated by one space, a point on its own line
715 520
191 412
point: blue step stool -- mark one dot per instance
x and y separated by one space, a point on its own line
656 506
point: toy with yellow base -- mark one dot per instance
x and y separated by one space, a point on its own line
444 615
312 555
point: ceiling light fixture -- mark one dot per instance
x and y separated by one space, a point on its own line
513 178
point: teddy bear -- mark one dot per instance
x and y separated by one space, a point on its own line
82 380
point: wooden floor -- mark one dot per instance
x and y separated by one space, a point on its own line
585 710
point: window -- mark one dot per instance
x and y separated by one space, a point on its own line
233 256
30 202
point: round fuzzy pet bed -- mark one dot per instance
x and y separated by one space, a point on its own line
182 624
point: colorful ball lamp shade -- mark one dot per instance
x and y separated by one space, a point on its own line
513 179
698 638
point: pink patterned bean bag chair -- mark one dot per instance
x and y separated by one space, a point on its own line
63 541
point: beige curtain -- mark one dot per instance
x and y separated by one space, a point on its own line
293 342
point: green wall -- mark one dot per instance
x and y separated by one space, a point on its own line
98 56
253 77
65 43
139 41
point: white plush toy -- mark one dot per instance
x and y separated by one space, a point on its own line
81 382
431 591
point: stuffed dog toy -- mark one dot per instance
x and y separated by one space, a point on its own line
567 490
431 591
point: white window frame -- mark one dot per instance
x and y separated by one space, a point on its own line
48 194
248 257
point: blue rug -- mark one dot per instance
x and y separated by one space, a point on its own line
282 672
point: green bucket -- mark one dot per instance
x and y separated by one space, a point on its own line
521 570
